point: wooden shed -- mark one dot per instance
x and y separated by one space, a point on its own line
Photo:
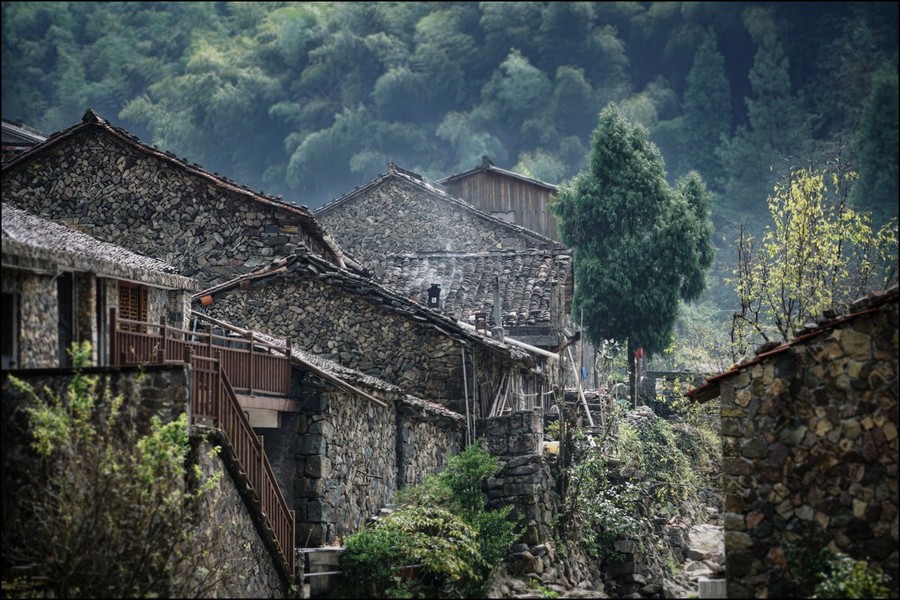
506 195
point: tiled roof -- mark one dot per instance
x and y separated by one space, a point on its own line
20 135
28 240
438 192
862 306
467 282
311 265
93 120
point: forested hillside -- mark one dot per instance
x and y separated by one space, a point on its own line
309 100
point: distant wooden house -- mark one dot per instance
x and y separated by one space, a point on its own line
810 449
507 195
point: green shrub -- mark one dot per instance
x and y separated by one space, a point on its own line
845 577
442 528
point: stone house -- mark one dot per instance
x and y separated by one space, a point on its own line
809 434
104 182
365 326
59 284
421 241
337 450
506 195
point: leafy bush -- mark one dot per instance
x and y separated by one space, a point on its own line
414 552
596 510
845 577
441 541
115 511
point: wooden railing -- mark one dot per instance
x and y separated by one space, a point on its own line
213 399
253 366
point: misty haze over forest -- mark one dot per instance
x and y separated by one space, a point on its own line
310 100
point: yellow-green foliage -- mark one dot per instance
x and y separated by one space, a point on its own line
113 513
818 253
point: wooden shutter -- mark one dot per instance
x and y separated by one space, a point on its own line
133 301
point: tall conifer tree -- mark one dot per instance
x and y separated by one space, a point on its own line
707 109
640 246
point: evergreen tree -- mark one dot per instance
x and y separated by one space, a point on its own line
779 129
707 109
640 246
876 147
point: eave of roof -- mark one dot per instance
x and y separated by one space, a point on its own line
863 306
495 169
92 120
399 174
391 301
35 244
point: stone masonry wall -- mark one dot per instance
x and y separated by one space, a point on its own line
810 453
524 479
163 391
106 188
427 436
346 464
333 323
398 217
237 552
38 315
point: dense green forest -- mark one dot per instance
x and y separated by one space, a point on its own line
310 99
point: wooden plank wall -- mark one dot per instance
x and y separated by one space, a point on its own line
496 193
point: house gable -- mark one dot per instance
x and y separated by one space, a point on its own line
401 213
105 182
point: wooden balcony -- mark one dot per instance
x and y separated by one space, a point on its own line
258 367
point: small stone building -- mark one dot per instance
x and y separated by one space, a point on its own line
59 284
402 213
809 433
506 195
104 182
364 326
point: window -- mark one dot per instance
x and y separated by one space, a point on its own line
133 305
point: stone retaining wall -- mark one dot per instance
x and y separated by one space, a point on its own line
810 453
524 480
163 391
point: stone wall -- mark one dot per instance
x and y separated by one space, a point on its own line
337 324
524 480
38 316
427 436
228 526
102 186
810 453
399 217
346 464
239 555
